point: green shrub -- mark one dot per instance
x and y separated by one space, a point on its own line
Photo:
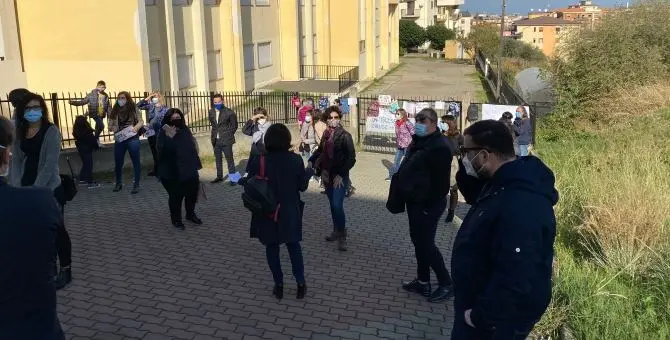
438 35
411 35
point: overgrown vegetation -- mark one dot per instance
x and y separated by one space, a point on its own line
411 35
607 143
438 35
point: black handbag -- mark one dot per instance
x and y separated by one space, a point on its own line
395 203
68 183
258 196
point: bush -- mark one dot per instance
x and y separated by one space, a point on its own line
411 35
438 35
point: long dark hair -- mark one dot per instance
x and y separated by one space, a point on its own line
81 127
21 123
125 112
168 116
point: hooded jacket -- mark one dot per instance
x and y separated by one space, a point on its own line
503 252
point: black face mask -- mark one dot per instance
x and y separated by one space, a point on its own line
178 123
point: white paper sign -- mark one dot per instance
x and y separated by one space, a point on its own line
385 100
420 106
352 100
409 107
125 134
439 105
384 123
495 112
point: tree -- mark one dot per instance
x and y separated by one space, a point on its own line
411 34
438 35
484 38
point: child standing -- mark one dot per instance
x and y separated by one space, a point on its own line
86 143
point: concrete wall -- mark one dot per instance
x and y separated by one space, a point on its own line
260 24
11 70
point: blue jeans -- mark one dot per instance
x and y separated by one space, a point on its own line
132 145
274 262
336 199
99 125
399 154
523 150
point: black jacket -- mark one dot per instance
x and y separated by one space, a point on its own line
225 126
86 141
288 177
503 252
424 174
30 218
178 156
344 156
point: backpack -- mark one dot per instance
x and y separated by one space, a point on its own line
258 196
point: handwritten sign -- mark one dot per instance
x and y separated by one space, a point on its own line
385 100
420 106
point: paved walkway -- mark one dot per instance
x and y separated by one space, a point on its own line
136 277
424 77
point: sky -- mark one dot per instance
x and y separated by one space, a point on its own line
524 6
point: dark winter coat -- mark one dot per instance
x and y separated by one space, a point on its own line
178 156
503 252
30 218
224 125
288 177
344 156
85 140
524 131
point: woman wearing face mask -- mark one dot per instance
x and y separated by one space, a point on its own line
404 129
178 165
125 121
256 127
524 130
35 164
334 159
30 220
156 109
307 135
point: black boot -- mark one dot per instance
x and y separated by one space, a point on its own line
450 217
193 218
118 187
278 292
415 286
217 180
442 293
179 225
342 241
63 278
334 236
302 290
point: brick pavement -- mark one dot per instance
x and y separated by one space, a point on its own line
136 277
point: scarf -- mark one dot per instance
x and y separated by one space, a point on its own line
400 122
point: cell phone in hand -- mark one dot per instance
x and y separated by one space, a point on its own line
165 127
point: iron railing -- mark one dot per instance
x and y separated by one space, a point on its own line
345 75
195 105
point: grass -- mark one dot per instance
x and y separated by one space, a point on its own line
483 95
612 273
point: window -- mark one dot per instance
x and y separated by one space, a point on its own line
541 29
177 3
155 74
541 40
264 54
150 2
215 65
186 71
249 61
245 2
212 2
558 29
534 29
262 2
534 41
361 46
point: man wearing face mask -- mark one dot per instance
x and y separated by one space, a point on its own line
224 126
98 106
503 252
423 184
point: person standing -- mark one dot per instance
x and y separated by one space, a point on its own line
404 129
224 126
303 111
507 119
523 128
126 122
503 252
156 109
423 182
36 153
455 139
256 127
308 135
30 219
334 159
86 144
178 165
98 106
287 177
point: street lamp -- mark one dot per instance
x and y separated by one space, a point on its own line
500 52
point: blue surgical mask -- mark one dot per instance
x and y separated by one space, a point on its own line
121 102
518 115
421 130
443 126
33 115
218 106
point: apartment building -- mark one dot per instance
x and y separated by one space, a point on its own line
422 12
204 45
545 33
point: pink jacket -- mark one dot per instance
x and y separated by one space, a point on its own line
403 134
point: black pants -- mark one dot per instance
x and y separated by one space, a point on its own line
221 151
154 153
179 192
422 228
86 172
63 242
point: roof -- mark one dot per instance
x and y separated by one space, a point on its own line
570 10
545 21
465 14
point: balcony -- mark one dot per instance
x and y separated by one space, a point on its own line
410 14
449 3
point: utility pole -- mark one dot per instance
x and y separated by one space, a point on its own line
500 49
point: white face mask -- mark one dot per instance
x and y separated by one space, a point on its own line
262 121
308 119
469 168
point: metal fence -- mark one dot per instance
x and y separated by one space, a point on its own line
345 75
195 105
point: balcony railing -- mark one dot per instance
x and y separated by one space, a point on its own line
410 14
345 75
